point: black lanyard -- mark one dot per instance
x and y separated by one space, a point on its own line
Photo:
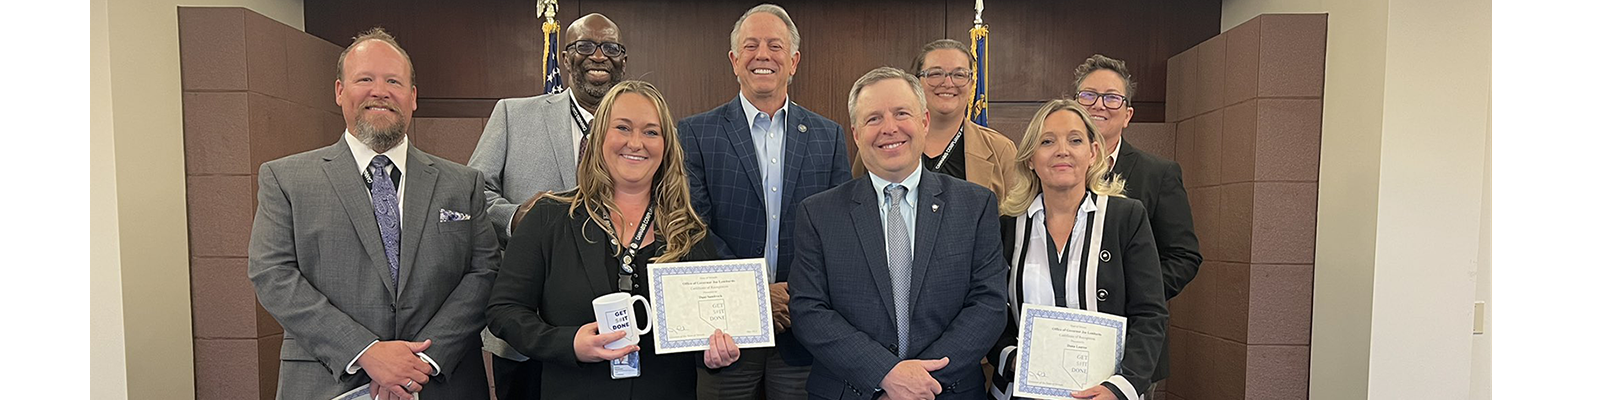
626 274
577 117
950 147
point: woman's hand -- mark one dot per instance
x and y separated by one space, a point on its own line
590 345
1097 393
722 352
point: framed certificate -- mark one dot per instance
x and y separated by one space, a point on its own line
694 299
1062 350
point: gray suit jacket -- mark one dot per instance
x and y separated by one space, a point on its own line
526 148
318 266
842 300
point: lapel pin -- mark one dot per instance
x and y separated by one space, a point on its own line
935 208
802 128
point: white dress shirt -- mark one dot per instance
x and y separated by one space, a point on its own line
1037 286
908 209
397 162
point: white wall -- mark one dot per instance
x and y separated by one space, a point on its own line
139 264
1401 210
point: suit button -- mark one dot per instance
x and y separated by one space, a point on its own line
894 349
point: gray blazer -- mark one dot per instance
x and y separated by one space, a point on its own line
318 266
842 300
526 148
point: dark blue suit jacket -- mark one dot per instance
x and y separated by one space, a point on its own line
842 300
725 183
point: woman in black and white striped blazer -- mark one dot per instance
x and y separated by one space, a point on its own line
1072 240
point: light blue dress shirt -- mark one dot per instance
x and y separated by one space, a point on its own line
908 208
766 132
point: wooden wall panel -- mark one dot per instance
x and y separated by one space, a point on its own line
472 52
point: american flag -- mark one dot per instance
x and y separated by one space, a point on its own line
552 59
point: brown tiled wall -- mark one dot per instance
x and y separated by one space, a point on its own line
254 90
1248 111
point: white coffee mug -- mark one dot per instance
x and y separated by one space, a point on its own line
615 312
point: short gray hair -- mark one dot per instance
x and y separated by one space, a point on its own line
1100 62
882 74
775 10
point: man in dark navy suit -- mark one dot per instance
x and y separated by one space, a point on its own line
898 279
749 162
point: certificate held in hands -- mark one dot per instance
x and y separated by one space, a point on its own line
694 299
1062 350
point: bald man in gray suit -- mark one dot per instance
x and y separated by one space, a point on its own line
530 145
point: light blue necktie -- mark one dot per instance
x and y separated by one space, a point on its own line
386 206
899 265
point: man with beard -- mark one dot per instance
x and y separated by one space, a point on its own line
1105 87
532 145
376 257
750 162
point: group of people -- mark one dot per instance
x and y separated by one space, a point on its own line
900 280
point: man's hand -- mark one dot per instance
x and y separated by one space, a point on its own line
590 345
779 293
910 380
395 368
1097 392
723 351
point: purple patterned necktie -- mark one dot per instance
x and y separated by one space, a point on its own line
386 206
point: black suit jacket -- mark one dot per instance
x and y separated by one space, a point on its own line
725 184
1127 283
1158 183
554 266
843 301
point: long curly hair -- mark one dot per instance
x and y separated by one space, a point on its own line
675 217
1023 190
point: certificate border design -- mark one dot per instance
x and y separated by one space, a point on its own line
658 271
1029 314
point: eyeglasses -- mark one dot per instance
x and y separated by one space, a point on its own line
1113 101
587 47
958 78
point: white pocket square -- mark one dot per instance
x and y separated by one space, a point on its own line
450 216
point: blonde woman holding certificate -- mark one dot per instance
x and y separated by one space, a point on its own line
1073 241
631 207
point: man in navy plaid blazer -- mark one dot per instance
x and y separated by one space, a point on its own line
750 162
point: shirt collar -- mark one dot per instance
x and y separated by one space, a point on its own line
1036 209
750 111
364 154
911 183
1116 151
581 111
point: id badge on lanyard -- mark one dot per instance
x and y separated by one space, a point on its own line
628 366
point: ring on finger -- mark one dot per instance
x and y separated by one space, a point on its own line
408 384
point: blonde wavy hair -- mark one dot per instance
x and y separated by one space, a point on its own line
675 217
1022 191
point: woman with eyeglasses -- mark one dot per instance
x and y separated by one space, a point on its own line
1072 240
955 146
630 208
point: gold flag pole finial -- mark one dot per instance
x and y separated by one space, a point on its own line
547 9
978 20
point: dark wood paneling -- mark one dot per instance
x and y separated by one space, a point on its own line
472 50
1034 46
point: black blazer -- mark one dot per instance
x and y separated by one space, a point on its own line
553 268
1158 183
1128 283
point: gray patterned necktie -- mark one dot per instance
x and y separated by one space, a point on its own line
899 240
386 206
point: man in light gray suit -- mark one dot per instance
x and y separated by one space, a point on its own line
531 145
376 257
